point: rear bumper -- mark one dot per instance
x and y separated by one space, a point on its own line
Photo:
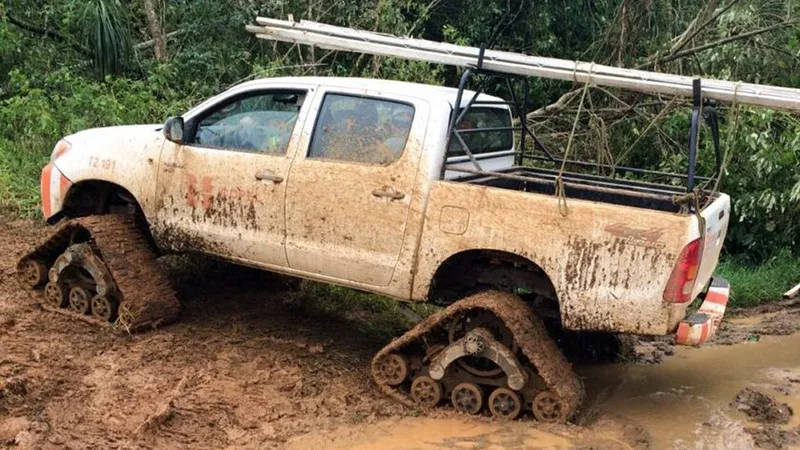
702 325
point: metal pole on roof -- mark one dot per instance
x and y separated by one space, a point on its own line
359 41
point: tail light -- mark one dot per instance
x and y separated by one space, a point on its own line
681 282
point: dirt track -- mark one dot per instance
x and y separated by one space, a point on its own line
246 367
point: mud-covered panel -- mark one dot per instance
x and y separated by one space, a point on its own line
614 284
349 203
609 264
219 201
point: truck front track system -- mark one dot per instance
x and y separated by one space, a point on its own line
488 351
102 269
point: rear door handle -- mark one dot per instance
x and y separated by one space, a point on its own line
388 192
268 175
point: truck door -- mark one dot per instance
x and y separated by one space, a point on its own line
348 197
223 191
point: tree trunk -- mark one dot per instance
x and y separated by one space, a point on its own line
156 32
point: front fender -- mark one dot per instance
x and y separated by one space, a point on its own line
130 162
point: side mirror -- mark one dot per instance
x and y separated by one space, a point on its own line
173 130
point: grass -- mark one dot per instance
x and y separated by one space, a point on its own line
19 177
375 315
754 285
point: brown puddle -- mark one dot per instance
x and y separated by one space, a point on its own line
449 432
684 402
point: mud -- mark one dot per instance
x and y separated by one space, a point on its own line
248 367
774 438
780 318
457 432
761 407
241 369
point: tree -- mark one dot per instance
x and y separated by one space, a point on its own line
154 27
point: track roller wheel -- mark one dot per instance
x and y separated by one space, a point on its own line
55 294
32 273
467 398
393 369
547 407
80 300
505 403
426 391
104 308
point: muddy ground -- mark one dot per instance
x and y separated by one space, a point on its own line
249 366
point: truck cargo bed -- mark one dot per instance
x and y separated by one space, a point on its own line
596 188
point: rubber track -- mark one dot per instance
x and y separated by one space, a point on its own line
148 299
529 334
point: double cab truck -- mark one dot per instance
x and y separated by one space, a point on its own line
410 191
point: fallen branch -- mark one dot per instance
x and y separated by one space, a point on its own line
165 409
555 107
13 360
152 42
717 43
55 35
682 43
695 26
792 293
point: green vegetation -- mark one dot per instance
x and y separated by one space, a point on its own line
67 65
377 316
768 281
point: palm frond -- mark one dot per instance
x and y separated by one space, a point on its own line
106 34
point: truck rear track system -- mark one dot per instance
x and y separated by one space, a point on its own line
486 351
101 269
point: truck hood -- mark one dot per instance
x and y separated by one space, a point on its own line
127 142
120 136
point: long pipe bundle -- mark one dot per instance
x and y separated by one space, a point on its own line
347 39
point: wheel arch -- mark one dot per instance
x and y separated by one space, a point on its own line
468 271
98 197
94 196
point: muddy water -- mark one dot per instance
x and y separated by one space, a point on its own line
683 403
444 433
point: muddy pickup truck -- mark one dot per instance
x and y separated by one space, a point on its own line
420 193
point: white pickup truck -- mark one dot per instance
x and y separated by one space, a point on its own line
363 183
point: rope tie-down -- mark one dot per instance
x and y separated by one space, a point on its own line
560 191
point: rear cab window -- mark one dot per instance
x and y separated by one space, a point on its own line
359 129
481 142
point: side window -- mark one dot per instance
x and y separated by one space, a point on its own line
483 141
258 123
359 129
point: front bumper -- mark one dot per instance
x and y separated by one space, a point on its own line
702 325
54 186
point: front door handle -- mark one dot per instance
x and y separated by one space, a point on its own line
268 175
388 192
170 166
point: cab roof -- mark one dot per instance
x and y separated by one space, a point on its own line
424 90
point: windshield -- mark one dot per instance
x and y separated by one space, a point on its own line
483 141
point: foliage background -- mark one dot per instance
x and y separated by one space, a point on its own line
67 65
